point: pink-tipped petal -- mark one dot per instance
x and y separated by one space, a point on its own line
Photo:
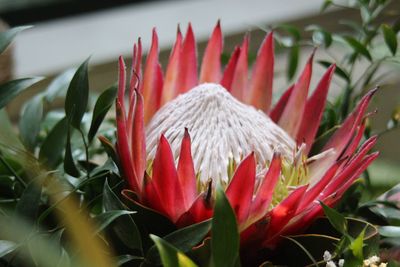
283 212
188 67
165 179
263 76
263 198
186 173
239 82
138 141
121 83
227 77
344 134
314 191
292 115
152 80
240 196
123 149
276 112
200 210
211 65
171 82
314 110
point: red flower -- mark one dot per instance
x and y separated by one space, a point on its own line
258 153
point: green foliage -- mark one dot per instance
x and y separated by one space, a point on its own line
225 235
6 37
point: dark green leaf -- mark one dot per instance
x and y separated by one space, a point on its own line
170 256
358 47
122 259
293 61
390 231
7 133
77 96
29 123
53 146
103 104
28 204
59 85
337 220
9 90
69 163
390 38
338 71
124 227
106 218
7 36
7 247
225 235
292 30
183 239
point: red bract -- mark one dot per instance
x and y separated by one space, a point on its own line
281 199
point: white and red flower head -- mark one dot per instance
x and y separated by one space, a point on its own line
183 132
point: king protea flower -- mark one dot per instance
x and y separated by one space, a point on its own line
182 133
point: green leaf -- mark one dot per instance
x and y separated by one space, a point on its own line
53 146
29 123
337 220
7 133
293 61
357 245
106 218
320 36
170 256
124 227
122 259
69 164
59 85
28 204
338 71
6 247
390 231
325 5
7 36
390 38
358 47
103 104
292 30
225 234
9 90
77 96
183 239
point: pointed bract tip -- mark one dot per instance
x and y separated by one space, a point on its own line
208 195
186 133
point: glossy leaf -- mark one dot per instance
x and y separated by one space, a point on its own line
9 90
358 47
124 227
59 85
337 220
170 256
390 231
122 259
77 96
106 218
225 235
183 239
28 205
6 247
69 163
102 106
390 38
6 37
54 144
29 123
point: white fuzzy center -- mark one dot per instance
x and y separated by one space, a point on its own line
222 129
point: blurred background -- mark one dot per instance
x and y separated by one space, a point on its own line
66 32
